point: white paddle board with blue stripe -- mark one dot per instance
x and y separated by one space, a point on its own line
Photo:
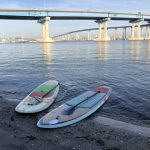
75 109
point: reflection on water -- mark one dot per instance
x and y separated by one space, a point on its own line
135 47
102 50
148 49
75 65
47 52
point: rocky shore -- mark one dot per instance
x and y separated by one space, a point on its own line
19 132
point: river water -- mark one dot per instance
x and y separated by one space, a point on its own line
79 66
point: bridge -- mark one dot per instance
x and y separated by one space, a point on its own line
75 34
43 16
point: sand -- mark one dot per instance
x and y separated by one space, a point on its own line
19 132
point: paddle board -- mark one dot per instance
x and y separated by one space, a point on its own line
40 98
75 109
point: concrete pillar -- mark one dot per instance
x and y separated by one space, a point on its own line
45 31
115 33
132 30
148 33
139 30
76 36
105 37
125 34
88 38
138 37
68 37
105 30
99 30
62 37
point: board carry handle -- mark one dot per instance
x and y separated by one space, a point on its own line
70 110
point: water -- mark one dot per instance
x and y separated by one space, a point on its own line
79 66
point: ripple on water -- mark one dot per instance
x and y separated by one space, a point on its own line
80 66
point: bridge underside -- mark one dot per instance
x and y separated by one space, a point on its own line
63 18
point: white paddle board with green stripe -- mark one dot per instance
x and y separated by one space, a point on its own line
40 98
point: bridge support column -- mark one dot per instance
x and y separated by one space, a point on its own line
139 31
105 31
68 37
148 33
138 37
115 34
45 32
76 37
105 37
132 31
124 34
99 30
88 38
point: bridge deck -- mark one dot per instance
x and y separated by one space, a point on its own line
36 14
92 29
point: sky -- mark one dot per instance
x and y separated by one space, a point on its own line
33 29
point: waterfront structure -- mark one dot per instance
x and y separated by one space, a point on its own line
45 31
138 37
115 37
101 17
100 22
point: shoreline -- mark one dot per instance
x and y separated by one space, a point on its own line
19 131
